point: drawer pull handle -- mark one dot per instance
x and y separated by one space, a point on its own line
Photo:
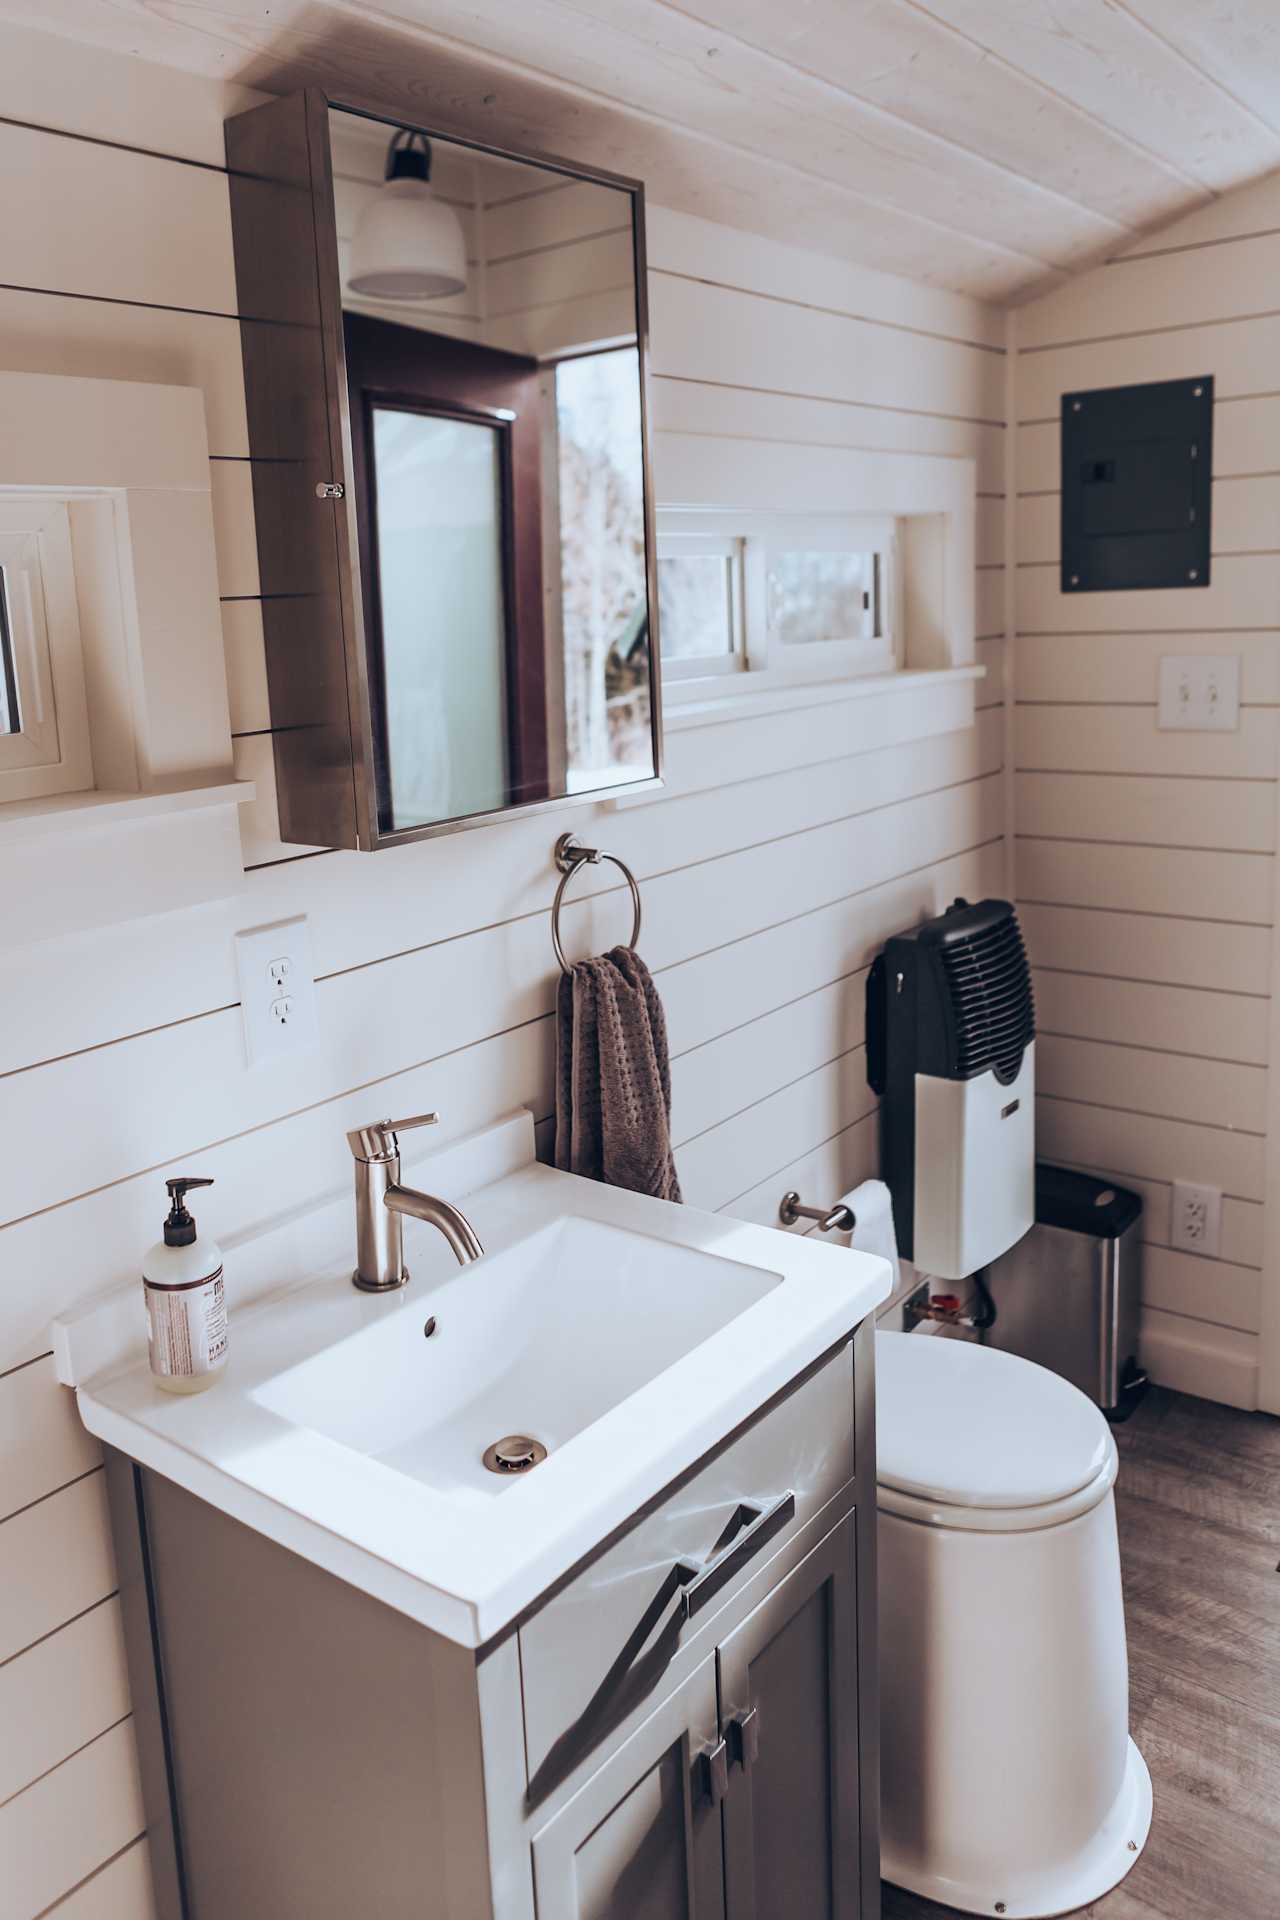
755 1527
715 1772
745 1731
650 1649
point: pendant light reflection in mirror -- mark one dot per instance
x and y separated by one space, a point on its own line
408 244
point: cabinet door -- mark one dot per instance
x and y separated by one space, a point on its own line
641 1840
789 1713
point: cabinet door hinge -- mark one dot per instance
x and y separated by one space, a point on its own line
330 490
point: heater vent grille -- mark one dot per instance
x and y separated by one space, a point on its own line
989 983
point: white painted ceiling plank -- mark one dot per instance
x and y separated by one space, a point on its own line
1106 61
958 143
660 60
921 70
457 86
1235 42
979 145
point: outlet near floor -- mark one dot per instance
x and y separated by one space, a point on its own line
1197 1218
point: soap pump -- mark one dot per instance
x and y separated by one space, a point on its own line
186 1305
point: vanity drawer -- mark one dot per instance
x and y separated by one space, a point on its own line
600 1648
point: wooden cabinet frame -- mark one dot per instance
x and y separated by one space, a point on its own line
289 291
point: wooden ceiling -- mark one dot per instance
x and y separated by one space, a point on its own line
989 146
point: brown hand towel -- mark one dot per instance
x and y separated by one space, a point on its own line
613 1076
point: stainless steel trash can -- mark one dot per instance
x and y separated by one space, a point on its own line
1068 1294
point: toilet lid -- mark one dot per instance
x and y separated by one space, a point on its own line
968 1426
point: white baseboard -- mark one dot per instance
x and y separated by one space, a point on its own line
1214 1363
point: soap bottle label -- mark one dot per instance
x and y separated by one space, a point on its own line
187 1326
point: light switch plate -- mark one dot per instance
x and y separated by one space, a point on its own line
277 990
1199 693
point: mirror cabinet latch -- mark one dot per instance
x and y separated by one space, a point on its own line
330 490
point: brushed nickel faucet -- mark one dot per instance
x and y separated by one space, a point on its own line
381 1202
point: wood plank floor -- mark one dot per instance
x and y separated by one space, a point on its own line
1199 1515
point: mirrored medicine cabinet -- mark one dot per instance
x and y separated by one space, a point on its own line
444 353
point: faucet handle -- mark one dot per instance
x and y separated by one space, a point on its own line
378 1140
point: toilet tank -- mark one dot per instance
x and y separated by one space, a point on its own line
951 1052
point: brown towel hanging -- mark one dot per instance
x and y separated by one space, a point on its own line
613 1076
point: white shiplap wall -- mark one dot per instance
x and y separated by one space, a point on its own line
766 892
1146 860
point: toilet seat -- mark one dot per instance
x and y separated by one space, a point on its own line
973 1439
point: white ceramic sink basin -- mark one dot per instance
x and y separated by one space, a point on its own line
540 1340
630 1337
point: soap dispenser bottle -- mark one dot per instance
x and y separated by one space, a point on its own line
186 1306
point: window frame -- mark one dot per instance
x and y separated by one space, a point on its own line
766 661
51 755
679 544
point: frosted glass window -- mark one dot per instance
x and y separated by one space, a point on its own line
698 606
439 497
815 596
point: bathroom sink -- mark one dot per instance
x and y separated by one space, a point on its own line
610 1340
538 1340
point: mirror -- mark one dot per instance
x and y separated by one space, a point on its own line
491 342
449 354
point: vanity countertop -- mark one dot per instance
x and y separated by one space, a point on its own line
339 1431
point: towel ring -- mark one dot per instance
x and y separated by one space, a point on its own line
570 854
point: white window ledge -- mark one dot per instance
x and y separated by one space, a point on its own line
82 812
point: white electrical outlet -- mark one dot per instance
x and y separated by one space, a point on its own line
277 990
1199 693
1197 1218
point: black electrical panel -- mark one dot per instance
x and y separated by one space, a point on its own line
1137 465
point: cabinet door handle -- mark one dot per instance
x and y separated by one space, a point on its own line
744 1730
715 1772
758 1528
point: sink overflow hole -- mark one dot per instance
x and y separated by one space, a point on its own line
515 1453
430 1328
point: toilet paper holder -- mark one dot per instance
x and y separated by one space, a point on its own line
837 1219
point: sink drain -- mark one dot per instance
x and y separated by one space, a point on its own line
515 1453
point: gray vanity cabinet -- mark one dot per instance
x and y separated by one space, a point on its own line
684 1728
788 1679
738 1798
641 1840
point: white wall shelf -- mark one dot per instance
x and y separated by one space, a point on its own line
85 812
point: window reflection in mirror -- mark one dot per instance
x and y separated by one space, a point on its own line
439 536
602 572
493 380
10 711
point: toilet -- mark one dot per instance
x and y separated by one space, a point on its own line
1009 1782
